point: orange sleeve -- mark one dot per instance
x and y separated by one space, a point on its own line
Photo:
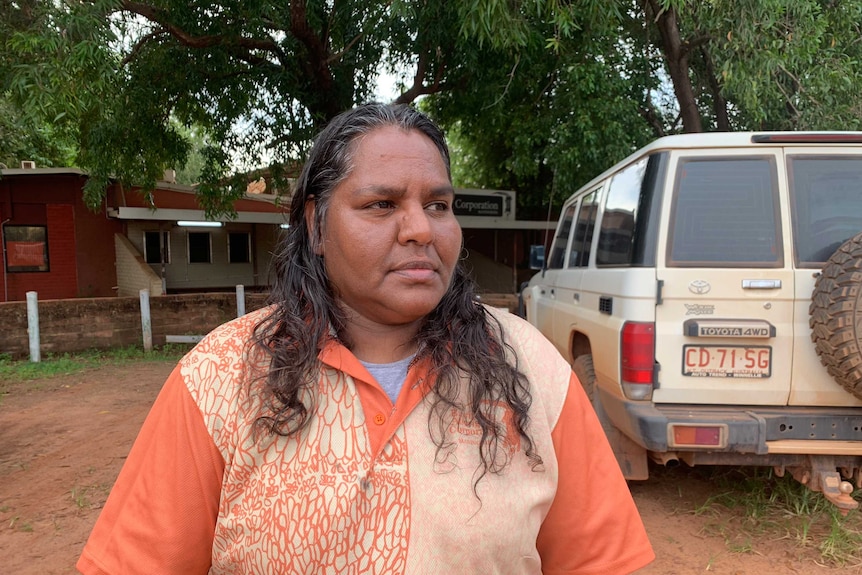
161 514
593 526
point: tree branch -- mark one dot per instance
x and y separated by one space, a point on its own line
337 56
317 65
160 17
509 83
689 45
139 45
647 111
419 88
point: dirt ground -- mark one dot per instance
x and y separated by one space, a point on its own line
63 441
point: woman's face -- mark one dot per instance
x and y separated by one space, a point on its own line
390 239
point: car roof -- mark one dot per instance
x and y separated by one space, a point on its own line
713 140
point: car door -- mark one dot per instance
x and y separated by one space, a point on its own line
724 319
569 311
542 292
826 211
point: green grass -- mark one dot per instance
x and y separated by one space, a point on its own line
81 497
24 526
754 503
67 363
89 496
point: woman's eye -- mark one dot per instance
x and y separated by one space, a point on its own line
439 207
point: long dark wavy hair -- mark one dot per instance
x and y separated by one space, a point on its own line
459 335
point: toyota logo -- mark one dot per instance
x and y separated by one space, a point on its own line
699 287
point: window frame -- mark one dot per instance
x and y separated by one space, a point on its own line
164 246
595 196
562 236
45 267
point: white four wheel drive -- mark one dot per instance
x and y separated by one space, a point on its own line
708 293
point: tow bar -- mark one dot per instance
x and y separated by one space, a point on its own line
837 491
821 475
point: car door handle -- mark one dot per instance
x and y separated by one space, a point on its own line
761 284
576 297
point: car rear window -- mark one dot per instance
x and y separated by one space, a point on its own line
826 199
725 213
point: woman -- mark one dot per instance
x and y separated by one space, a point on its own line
374 418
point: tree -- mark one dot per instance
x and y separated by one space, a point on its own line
258 78
544 126
761 64
620 77
540 96
546 116
23 136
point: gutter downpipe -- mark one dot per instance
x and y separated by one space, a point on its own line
5 267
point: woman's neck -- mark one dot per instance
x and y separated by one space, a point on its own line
377 343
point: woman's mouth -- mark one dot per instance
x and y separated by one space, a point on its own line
416 271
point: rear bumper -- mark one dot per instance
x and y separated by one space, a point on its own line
749 429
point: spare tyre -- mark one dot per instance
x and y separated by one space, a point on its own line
836 315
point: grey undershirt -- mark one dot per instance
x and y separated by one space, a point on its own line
390 376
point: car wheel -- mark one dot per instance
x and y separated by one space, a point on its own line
631 457
836 315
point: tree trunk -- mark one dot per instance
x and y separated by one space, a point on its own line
676 56
719 104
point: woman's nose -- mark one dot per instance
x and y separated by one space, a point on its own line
415 226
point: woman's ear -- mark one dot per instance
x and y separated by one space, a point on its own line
311 225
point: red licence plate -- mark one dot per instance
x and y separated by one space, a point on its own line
727 360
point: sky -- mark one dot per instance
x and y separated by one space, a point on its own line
386 90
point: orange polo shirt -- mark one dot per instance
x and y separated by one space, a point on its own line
363 488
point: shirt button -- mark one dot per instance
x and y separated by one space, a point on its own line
379 419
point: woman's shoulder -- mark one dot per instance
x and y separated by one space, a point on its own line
548 372
225 359
523 336
231 337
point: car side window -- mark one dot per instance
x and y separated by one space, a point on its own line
558 248
582 239
616 235
725 213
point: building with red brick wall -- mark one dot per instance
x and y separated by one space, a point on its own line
52 243
58 247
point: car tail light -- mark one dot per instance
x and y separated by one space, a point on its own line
694 435
637 359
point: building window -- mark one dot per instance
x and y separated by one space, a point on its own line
200 248
26 248
157 247
239 247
